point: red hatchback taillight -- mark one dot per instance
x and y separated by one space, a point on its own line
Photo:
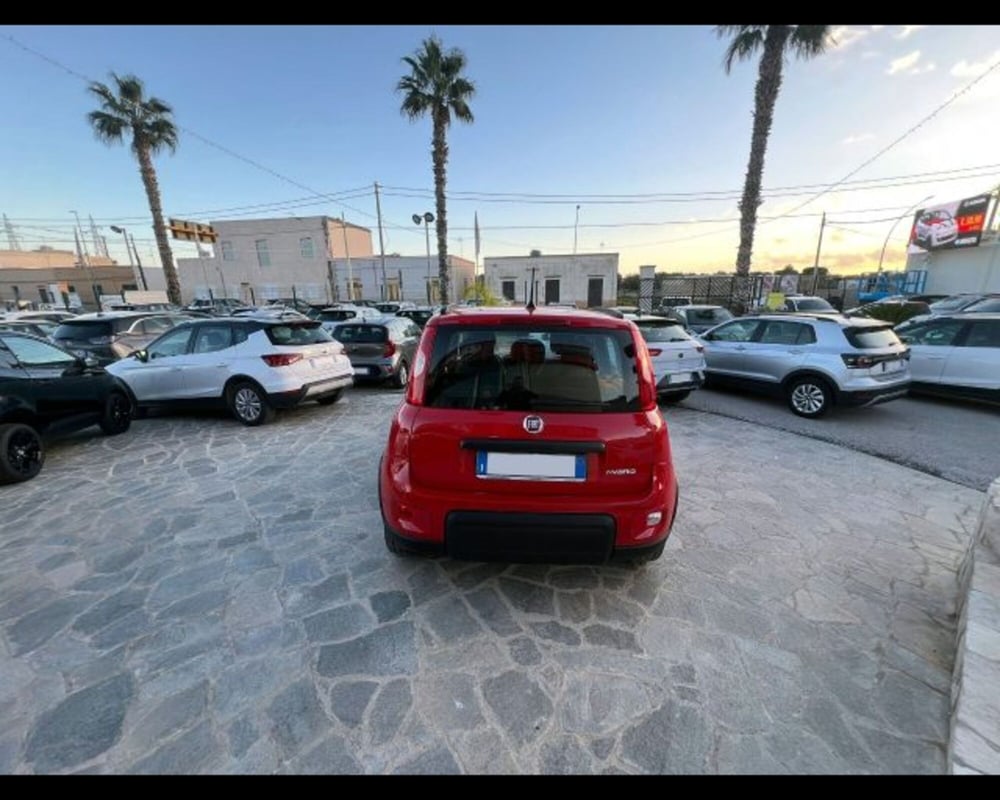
388 349
421 362
647 383
282 359
655 351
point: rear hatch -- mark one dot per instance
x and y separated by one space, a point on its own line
530 411
85 334
876 352
306 350
671 348
364 343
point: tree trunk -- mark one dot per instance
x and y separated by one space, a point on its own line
440 155
765 95
159 229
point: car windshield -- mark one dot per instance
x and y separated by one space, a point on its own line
951 303
990 304
711 315
533 369
297 333
84 329
814 304
664 333
360 334
871 338
337 315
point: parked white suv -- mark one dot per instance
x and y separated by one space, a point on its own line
251 365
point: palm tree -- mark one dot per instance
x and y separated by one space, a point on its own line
436 87
774 42
125 111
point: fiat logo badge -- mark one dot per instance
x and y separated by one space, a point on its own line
533 424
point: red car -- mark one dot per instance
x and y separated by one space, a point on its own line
529 435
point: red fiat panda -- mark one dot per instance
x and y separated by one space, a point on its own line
529 435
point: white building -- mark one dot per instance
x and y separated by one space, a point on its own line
586 279
405 278
968 269
263 259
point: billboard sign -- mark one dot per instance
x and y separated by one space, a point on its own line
949 225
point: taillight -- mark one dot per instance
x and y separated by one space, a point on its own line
699 348
282 359
418 370
858 362
655 351
388 349
647 384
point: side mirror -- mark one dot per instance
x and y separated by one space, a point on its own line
141 355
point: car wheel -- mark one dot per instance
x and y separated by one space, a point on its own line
809 397
330 399
248 403
402 376
117 416
21 453
674 397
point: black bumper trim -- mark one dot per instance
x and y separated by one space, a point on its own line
530 538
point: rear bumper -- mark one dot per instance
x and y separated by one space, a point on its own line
310 391
666 387
379 370
542 529
871 397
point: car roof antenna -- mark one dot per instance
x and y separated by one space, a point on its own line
531 298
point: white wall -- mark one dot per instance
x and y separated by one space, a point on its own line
573 272
414 272
973 269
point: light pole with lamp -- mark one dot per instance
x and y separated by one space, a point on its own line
894 224
138 262
426 218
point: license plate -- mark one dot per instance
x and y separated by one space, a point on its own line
321 362
361 370
531 466
680 377
892 366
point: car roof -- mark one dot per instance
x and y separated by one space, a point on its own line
545 315
841 319
99 315
962 315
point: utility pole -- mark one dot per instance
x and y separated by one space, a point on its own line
347 252
576 225
138 263
12 241
819 244
381 241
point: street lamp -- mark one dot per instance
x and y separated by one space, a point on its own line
894 224
426 218
125 235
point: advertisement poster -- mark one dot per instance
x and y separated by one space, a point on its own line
949 225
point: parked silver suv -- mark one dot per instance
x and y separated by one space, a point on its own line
812 360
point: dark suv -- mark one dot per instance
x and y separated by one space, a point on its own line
380 351
111 335
45 389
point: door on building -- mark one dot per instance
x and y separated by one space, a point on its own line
392 289
551 290
595 292
507 290
433 291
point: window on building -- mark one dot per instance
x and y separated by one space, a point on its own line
263 254
228 253
507 289
356 290
551 290
392 289
306 247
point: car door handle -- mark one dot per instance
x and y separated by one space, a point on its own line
794 351
739 347
935 358
175 369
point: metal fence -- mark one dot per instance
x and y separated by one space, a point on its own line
721 290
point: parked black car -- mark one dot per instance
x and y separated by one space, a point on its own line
418 316
110 335
47 390
380 351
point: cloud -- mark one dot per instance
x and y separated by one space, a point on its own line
854 138
908 65
907 30
965 69
842 36
870 54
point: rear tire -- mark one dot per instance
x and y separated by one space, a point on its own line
675 397
117 417
330 399
402 376
21 453
248 403
809 397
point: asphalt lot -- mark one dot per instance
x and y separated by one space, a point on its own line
952 439
200 597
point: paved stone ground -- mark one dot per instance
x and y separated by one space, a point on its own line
198 597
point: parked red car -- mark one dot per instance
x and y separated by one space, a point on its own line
529 435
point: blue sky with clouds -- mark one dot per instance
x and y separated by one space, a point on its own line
559 111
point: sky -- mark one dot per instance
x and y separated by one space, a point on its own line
641 127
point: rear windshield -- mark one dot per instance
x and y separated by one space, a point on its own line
420 317
533 369
871 338
84 329
293 333
991 304
360 334
664 333
337 315
950 303
813 304
707 315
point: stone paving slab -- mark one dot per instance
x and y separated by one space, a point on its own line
200 597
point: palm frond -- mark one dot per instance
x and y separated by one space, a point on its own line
747 40
808 41
155 105
130 88
108 128
161 134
